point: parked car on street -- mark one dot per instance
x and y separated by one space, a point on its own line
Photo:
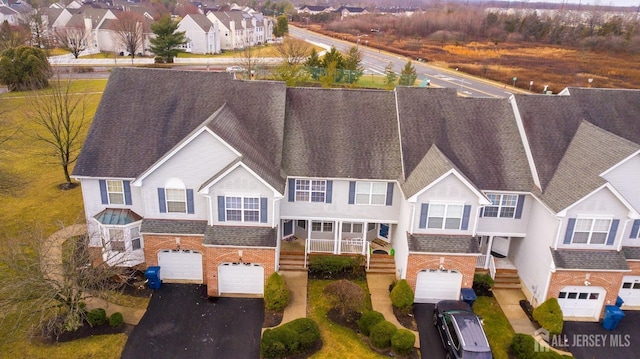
461 331
235 68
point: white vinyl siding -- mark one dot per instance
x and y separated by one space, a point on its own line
371 193
445 216
591 231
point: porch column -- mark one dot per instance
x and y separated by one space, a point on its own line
337 235
364 237
488 254
308 241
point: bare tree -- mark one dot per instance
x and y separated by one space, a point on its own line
129 32
293 51
249 59
47 281
60 118
37 24
73 38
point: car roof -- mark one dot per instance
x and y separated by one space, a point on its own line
472 335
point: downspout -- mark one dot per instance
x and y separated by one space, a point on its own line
555 246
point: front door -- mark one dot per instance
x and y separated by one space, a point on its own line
287 228
383 231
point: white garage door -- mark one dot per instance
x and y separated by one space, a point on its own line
180 266
241 278
630 290
433 285
581 301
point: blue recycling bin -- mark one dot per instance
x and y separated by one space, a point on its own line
153 277
468 296
619 302
612 317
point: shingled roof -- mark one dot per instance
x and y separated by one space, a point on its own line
478 135
429 243
341 133
144 113
589 259
241 236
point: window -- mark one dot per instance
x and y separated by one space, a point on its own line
311 190
502 205
134 233
591 231
116 239
242 209
302 224
445 216
371 193
115 192
348 227
176 200
317 226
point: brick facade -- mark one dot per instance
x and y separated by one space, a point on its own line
610 281
463 264
212 256
634 266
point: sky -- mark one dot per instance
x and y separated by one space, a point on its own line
634 3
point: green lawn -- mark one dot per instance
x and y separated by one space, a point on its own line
338 341
496 325
35 202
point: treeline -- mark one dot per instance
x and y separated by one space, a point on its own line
591 30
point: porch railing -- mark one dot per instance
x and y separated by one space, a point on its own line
492 267
353 245
481 261
320 245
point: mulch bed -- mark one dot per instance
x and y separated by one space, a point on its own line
407 320
86 331
272 318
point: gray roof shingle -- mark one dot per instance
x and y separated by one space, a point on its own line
341 133
589 259
430 243
478 135
631 252
172 226
240 236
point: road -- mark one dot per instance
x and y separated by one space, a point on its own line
374 61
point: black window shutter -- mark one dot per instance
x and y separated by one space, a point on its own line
161 201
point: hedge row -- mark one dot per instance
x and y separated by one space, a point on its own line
384 334
288 339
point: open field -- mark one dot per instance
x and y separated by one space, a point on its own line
555 66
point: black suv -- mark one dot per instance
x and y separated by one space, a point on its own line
460 330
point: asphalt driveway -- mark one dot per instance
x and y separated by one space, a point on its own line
430 343
182 322
591 340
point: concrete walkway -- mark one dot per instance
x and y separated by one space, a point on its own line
297 283
509 301
381 302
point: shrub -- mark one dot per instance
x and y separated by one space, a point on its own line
276 293
334 267
116 320
483 278
381 334
368 320
522 346
402 342
345 295
549 316
158 60
96 316
402 296
290 338
482 284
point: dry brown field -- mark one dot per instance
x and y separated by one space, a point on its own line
555 66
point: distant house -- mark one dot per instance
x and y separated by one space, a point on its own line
315 9
202 34
9 15
347 11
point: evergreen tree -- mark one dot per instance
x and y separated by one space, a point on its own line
282 26
408 75
390 76
313 64
352 65
167 42
24 68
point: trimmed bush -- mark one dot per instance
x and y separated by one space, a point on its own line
522 346
402 342
381 334
549 316
116 320
402 296
368 320
289 339
276 293
96 317
345 295
482 284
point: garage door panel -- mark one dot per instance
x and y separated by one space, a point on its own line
433 286
630 290
581 301
180 266
241 278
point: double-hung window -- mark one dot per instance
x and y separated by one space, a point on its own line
134 233
371 193
115 191
176 200
591 230
242 209
349 227
445 216
310 190
317 226
502 206
116 239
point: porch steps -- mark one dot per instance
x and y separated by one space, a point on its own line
507 279
382 264
292 261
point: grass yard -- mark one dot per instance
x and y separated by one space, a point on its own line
34 202
338 341
496 325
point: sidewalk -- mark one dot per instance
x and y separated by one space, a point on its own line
509 301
